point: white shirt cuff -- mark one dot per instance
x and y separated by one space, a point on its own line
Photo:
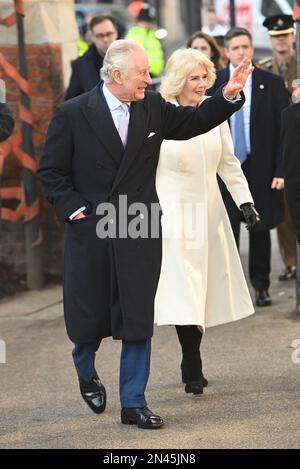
235 100
2 97
81 209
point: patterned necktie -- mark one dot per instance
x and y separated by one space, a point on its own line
124 123
240 146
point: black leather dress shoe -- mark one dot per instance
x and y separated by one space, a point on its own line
262 298
195 387
287 274
141 417
93 393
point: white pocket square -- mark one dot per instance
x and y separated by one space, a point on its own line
151 134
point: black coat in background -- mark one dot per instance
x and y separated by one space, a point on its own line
110 284
269 98
6 122
85 73
291 159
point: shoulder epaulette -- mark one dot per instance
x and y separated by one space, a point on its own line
264 61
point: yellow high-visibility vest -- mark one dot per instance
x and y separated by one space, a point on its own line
147 39
82 47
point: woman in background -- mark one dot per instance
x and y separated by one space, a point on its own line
208 46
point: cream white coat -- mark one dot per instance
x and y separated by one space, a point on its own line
201 280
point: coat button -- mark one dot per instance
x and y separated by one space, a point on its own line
99 165
111 221
142 216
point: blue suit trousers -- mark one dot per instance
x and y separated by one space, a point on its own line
134 369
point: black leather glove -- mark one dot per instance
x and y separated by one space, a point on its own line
252 218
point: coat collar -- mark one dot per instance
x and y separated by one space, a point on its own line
99 118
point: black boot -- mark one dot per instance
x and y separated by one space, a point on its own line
191 366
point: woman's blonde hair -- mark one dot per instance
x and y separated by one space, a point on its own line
181 63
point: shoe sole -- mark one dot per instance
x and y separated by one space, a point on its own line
196 393
145 427
205 383
193 390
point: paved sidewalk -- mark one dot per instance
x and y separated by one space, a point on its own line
252 401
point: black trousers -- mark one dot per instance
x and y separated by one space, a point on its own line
190 339
259 241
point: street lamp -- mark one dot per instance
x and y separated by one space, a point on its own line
193 15
34 268
232 13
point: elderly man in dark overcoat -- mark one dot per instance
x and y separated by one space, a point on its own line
101 153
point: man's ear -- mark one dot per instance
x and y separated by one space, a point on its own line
117 76
226 52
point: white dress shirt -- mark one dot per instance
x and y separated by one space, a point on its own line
114 106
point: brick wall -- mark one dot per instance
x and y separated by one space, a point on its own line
45 76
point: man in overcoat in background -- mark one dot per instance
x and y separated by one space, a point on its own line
103 148
85 69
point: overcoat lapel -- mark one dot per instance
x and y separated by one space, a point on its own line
257 93
99 117
138 126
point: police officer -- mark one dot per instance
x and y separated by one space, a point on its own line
283 63
144 34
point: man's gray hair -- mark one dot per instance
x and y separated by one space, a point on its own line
117 57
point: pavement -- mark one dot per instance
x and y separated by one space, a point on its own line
252 400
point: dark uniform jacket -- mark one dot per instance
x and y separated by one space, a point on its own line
291 155
110 284
271 65
269 97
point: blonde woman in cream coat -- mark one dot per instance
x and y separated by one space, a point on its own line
202 282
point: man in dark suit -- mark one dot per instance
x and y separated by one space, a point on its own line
256 135
291 158
100 158
6 119
85 69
